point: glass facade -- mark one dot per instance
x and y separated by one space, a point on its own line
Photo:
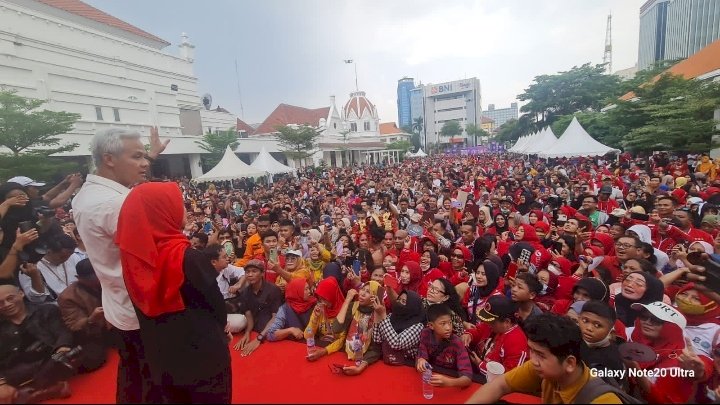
676 29
405 85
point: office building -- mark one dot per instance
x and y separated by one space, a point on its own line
405 85
676 29
501 115
458 100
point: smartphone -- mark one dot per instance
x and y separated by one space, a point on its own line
562 218
391 281
524 257
274 255
225 222
229 249
557 246
26 226
207 227
639 216
339 248
356 267
456 204
712 270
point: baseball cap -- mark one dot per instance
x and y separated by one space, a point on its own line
662 311
305 221
293 252
256 263
25 181
605 190
497 306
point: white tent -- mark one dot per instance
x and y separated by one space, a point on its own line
420 153
266 163
576 142
409 155
528 143
230 167
544 142
519 143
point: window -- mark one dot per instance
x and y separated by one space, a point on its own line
116 112
366 126
98 113
353 127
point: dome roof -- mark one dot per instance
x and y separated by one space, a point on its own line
360 105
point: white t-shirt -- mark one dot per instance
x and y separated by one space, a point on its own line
223 279
96 209
57 278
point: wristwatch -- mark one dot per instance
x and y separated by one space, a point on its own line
260 338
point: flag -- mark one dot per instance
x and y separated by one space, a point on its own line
348 61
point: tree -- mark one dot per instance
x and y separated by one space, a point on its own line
417 128
451 129
673 113
298 142
579 89
475 131
415 140
31 136
513 129
215 144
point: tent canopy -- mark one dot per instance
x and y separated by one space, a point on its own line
544 141
420 153
529 141
576 142
230 167
266 163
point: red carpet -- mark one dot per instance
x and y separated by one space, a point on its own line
279 373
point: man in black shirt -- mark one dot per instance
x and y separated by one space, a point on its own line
29 336
259 301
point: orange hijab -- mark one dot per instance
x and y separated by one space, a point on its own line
152 247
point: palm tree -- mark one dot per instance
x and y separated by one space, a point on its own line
417 127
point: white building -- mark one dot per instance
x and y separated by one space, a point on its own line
458 100
85 61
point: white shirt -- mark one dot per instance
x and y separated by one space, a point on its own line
57 278
96 209
223 279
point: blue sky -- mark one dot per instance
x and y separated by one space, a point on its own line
292 51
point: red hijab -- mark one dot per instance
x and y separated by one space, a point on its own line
152 247
712 310
295 296
415 276
329 290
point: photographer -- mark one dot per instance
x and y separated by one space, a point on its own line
55 197
56 268
32 343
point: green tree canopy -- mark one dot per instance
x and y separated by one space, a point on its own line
300 142
513 129
30 134
581 88
451 128
215 143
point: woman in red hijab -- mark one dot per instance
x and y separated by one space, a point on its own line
294 314
181 311
330 300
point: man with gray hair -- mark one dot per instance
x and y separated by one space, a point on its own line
120 163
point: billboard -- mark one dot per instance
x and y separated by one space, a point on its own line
457 86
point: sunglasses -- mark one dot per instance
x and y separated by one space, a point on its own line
458 256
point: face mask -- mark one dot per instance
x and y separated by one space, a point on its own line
689 308
504 210
603 343
544 289
554 270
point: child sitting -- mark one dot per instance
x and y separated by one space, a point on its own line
439 347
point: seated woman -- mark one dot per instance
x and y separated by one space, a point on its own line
484 283
319 257
294 268
330 300
637 287
442 291
400 332
660 327
409 280
295 313
358 319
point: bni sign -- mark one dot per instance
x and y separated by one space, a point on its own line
441 88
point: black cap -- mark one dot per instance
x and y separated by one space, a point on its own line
497 307
606 190
85 269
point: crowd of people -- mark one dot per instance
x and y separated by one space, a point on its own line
585 279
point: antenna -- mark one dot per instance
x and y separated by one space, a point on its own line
237 79
607 57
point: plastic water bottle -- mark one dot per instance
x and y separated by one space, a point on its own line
310 345
427 388
358 349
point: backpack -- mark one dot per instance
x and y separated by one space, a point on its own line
596 387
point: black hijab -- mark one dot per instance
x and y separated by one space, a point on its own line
405 316
332 269
654 292
476 292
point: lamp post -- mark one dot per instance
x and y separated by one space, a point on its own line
356 76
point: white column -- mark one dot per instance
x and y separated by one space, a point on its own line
195 166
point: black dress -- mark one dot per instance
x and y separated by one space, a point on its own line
188 350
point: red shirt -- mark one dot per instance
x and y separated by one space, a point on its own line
509 349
